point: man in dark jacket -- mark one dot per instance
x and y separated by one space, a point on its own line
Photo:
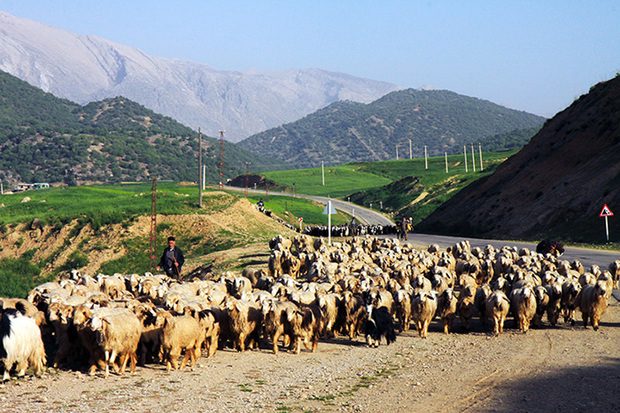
172 259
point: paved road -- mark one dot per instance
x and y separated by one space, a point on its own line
588 257
364 215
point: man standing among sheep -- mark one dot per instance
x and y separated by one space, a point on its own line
172 260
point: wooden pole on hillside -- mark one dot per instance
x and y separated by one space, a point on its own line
480 152
221 159
153 239
446 156
473 158
200 181
425 158
323 172
410 151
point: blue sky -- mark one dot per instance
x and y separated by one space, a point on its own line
536 56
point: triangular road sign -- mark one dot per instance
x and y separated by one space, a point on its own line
606 212
329 209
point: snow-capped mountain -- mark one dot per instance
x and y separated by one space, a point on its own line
85 68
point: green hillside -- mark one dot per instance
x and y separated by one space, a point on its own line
46 139
398 187
441 120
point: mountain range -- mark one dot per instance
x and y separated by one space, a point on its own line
556 186
86 68
438 120
47 139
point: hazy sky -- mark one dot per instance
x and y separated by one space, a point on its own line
536 56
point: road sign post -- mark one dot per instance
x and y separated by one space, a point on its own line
606 213
329 210
300 222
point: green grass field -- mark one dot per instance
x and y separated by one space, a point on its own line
105 204
291 209
344 180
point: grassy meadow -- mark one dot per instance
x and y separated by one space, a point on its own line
404 187
344 180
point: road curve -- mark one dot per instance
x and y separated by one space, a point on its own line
365 215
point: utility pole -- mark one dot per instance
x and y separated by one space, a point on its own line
323 172
153 238
473 158
221 159
200 179
480 152
396 152
247 176
410 151
465 155
425 158
446 156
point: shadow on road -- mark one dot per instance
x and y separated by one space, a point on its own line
576 389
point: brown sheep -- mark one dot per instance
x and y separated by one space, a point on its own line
329 304
178 334
280 319
308 318
423 307
245 323
607 278
542 302
59 316
570 290
465 305
554 291
211 327
497 308
592 301
446 308
614 270
523 305
151 321
402 304
352 314
81 317
480 301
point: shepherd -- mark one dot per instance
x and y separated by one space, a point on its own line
172 260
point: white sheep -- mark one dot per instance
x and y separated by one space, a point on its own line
21 344
118 334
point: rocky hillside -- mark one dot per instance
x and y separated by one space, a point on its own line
555 186
47 139
88 68
441 120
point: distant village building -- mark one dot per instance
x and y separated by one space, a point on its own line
28 187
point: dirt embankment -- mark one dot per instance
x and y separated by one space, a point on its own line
237 220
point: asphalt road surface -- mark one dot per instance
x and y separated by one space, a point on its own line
587 256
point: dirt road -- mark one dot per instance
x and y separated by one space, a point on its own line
550 369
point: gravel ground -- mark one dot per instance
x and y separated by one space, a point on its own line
549 369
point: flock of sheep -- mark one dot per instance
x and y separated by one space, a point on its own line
311 291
